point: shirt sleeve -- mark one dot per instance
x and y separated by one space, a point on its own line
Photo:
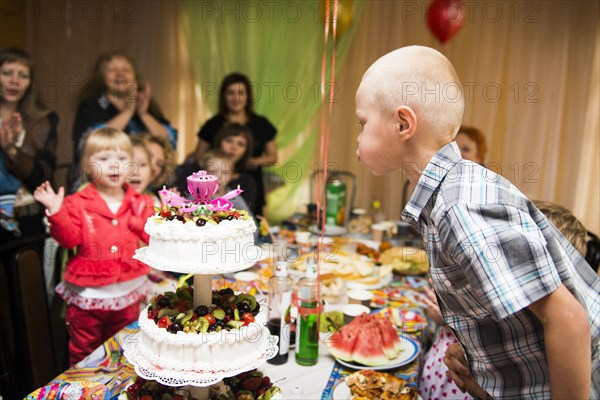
209 130
502 254
267 130
65 225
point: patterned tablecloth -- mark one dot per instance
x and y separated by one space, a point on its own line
100 376
106 372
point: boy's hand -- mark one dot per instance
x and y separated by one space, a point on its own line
458 371
433 310
51 200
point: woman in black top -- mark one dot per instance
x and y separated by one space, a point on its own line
115 97
235 106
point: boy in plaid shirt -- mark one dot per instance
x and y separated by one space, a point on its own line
520 299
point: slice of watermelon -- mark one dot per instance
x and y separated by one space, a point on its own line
343 341
389 337
368 349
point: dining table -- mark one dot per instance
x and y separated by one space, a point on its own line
106 372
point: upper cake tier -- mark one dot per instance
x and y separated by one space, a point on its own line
200 236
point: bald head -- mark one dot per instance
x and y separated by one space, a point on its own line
424 80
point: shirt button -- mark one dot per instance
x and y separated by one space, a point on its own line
113 249
115 222
447 283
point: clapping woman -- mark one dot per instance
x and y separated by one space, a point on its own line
27 146
116 97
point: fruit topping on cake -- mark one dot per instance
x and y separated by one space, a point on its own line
174 311
251 385
201 216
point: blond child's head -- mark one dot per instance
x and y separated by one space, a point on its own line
567 223
162 158
105 156
139 175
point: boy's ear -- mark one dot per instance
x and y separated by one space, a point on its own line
406 121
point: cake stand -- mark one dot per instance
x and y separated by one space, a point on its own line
200 380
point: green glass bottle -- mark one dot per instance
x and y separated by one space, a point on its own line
307 330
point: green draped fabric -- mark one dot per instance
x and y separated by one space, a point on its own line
279 45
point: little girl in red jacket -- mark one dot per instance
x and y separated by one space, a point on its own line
102 284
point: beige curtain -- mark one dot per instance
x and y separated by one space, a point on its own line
532 68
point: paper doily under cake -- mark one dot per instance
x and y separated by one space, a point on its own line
201 378
145 255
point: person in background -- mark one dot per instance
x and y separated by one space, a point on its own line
139 173
102 284
236 106
235 141
472 144
162 161
219 164
28 140
508 284
116 97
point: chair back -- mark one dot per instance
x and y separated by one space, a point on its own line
33 360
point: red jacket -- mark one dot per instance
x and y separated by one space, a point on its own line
107 242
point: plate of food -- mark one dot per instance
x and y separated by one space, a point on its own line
371 384
405 260
408 354
370 341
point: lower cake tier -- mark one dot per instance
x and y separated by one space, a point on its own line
215 351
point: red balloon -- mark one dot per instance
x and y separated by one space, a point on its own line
445 18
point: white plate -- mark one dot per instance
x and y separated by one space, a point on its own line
342 392
410 352
330 230
362 286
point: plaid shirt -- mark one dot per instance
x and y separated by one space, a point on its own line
492 254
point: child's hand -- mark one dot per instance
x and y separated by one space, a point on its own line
51 200
433 310
458 371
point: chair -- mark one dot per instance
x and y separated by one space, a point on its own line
31 361
592 254
346 176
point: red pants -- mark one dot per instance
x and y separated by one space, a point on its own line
88 329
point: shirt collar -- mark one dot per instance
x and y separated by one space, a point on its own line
431 178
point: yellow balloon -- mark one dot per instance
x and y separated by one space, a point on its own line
344 15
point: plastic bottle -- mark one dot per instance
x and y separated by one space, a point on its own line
378 215
280 301
307 332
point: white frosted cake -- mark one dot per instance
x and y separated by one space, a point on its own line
175 243
200 235
201 351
